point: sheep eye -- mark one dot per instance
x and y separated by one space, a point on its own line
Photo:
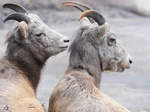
112 41
39 34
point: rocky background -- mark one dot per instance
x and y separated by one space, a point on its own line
129 19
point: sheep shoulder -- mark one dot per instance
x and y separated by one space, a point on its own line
16 92
76 92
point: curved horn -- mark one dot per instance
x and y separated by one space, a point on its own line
94 15
76 5
15 7
18 17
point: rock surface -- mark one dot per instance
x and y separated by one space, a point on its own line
141 7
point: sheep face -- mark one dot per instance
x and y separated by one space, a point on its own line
43 38
112 55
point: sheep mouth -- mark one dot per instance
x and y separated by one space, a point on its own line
64 47
122 68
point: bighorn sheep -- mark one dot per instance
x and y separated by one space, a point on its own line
29 45
94 50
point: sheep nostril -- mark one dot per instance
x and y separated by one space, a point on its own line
66 40
130 61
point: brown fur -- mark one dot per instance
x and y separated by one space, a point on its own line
76 92
16 92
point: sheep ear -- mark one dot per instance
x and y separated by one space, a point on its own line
85 22
104 29
23 29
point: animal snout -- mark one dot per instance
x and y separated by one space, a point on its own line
66 41
130 61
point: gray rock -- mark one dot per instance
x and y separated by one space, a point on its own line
141 7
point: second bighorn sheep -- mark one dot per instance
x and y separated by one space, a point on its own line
29 45
95 50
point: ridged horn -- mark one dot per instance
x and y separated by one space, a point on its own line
15 7
77 5
18 17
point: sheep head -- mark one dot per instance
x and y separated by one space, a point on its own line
33 33
112 55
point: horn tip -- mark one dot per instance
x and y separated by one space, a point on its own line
4 21
5 5
66 4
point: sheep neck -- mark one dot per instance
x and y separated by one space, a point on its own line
81 58
28 63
